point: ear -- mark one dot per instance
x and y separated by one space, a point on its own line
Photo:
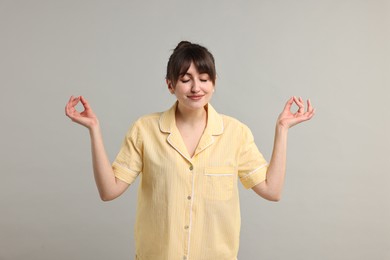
170 86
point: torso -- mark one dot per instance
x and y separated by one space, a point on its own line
191 136
191 131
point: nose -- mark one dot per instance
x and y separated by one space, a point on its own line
195 86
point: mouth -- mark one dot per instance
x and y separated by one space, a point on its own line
195 97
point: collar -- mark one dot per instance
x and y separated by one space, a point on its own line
214 125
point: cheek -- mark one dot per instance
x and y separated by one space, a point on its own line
179 92
210 89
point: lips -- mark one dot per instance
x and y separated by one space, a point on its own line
195 97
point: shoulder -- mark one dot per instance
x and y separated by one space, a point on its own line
232 123
148 119
234 129
144 123
230 120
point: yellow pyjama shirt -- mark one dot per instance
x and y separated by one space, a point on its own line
188 207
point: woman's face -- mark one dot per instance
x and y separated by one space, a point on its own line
193 90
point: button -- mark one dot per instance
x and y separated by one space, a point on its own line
184 257
189 197
186 227
191 167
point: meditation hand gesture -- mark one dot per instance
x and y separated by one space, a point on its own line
287 119
85 118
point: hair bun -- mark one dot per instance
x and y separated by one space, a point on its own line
183 44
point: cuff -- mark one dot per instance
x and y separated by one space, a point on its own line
254 177
124 174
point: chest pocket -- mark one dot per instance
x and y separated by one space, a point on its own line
218 183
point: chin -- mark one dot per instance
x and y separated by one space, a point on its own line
196 105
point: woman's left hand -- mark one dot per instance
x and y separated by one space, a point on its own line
288 119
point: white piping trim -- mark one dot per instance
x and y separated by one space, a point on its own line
127 168
255 170
219 174
177 149
190 225
212 141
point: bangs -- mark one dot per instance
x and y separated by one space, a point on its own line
203 63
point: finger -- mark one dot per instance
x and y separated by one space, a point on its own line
70 102
309 115
69 105
298 100
85 103
312 113
310 109
289 103
309 106
75 101
299 103
70 109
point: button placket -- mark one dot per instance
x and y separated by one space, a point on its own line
191 168
188 198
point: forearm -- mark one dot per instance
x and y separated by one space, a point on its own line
271 188
104 175
277 166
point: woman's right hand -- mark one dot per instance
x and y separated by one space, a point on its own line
85 118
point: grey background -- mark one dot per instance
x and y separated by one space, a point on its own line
336 199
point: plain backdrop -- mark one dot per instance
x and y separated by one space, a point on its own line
335 203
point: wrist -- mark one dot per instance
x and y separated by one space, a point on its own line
94 127
281 129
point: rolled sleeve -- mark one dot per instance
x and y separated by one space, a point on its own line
128 163
124 173
252 167
255 177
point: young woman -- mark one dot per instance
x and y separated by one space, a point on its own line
190 159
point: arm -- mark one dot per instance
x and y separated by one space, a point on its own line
271 188
109 187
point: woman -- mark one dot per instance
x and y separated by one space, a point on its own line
190 158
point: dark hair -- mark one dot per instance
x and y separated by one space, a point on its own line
183 55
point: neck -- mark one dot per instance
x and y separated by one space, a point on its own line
189 116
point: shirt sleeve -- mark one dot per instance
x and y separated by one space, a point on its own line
128 163
252 167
